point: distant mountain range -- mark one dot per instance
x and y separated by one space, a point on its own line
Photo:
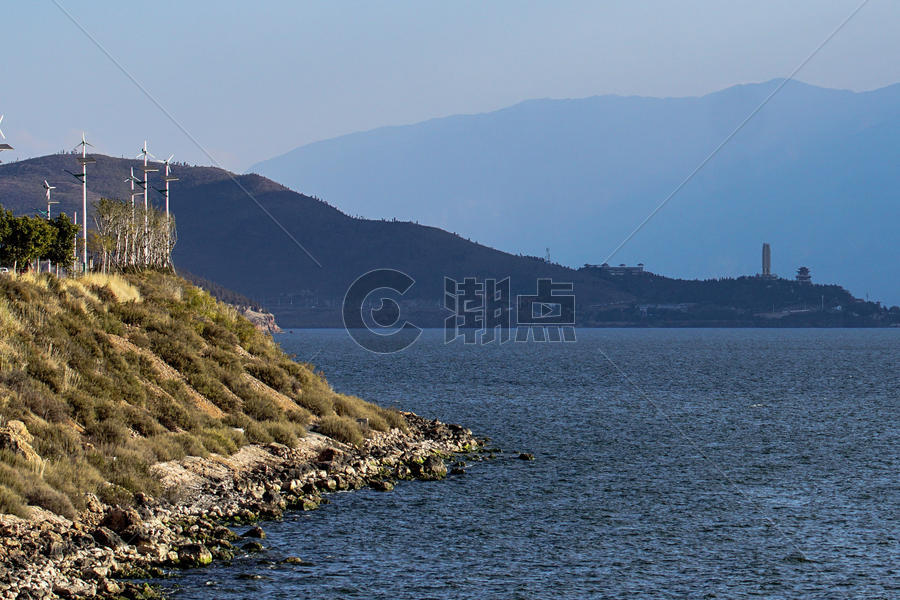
814 173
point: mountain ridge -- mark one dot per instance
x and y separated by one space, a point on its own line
581 177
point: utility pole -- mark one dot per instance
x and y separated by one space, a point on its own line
85 161
147 169
75 245
49 187
165 192
132 252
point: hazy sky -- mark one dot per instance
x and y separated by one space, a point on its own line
250 80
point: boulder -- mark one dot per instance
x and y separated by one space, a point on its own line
194 555
122 520
254 532
107 538
252 547
381 485
14 437
526 456
433 468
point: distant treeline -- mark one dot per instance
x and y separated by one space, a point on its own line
26 239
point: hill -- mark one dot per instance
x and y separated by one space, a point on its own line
733 302
108 375
814 173
224 236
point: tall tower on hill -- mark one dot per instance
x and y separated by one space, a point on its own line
767 262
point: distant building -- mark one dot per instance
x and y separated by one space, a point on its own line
767 263
620 270
803 275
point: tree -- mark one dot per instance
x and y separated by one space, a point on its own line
129 237
5 220
28 238
60 251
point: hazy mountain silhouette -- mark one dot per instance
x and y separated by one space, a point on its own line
814 174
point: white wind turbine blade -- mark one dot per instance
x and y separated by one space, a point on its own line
1 131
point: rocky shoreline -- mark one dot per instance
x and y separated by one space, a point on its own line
105 547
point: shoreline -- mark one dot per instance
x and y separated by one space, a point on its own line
50 556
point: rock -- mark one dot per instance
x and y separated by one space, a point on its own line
526 456
108 586
153 551
457 471
15 438
96 572
122 520
296 560
73 589
254 532
330 455
194 555
381 485
249 576
253 547
263 321
434 468
107 538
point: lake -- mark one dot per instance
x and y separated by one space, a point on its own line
670 463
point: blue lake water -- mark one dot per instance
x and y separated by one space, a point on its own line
669 464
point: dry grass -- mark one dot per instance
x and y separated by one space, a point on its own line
114 373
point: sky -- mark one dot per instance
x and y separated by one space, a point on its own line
234 83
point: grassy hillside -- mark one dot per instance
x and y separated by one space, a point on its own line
111 374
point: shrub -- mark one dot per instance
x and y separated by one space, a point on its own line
257 434
45 405
55 440
164 447
221 440
261 408
44 496
12 503
342 429
73 478
316 399
281 432
218 335
272 376
108 431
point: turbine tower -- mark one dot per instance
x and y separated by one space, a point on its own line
145 154
165 192
85 160
134 180
4 146
49 187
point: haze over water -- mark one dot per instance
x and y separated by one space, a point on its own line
776 444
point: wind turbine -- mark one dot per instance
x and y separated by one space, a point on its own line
165 192
85 160
147 169
134 180
47 187
4 146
